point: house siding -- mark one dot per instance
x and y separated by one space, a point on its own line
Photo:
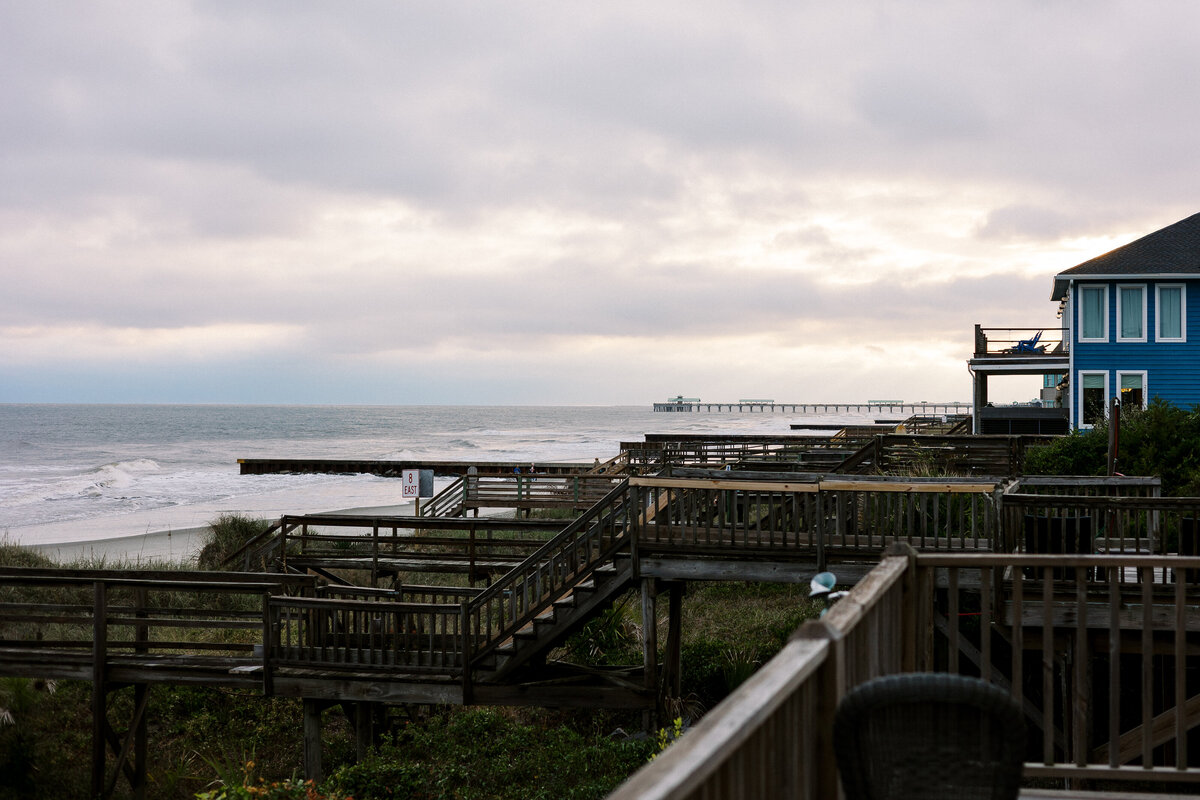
1172 368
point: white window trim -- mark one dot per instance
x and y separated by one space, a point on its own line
1081 424
1120 288
1103 315
1158 337
1145 384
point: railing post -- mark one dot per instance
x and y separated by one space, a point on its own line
375 554
468 653
270 626
831 687
821 566
99 709
909 622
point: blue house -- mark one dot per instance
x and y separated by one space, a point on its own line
1126 321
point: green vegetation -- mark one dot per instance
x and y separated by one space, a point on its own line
1162 440
226 534
478 754
224 744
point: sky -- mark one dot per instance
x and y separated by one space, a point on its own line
566 203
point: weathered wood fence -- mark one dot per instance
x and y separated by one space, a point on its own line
1067 646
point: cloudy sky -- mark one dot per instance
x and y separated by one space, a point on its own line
555 202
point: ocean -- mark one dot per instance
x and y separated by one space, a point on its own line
91 473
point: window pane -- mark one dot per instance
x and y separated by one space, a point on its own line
1092 301
1132 394
1170 312
1093 406
1131 312
1093 381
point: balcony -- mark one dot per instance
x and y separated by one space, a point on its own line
1018 343
1019 351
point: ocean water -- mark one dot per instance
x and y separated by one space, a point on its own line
78 473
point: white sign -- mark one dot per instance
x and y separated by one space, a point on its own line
410 481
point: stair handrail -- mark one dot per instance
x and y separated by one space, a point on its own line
551 577
868 452
261 545
445 500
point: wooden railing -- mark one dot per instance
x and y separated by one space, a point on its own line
1068 648
363 635
1081 524
593 539
475 546
536 491
150 624
449 501
821 515
1112 688
771 737
257 553
820 451
994 455
1092 486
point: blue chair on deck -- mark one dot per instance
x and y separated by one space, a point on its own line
1029 345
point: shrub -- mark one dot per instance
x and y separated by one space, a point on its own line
226 534
1161 440
484 753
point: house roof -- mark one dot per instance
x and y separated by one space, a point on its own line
1174 250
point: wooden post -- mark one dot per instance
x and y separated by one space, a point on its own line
312 739
1114 434
649 642
99 689
364 727
672 672
141 697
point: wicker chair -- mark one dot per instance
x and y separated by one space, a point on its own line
929 736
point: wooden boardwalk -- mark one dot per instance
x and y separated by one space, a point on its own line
312 637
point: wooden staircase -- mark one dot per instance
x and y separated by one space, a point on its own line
484 636
565 616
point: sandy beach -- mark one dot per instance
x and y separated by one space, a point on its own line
175 533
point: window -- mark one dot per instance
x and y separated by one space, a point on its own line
1169 307
1093 313
1131 313
1093 397
1133 389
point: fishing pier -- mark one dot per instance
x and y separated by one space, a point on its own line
694 404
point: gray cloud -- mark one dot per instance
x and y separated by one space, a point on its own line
542 195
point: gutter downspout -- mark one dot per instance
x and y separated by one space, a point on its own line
1072 389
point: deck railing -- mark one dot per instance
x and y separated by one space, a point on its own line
363 635
820 451
1101 670
1009 341
536 491
1087 485
771 737
1079 524
83 623
475 546
993 454
821 515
